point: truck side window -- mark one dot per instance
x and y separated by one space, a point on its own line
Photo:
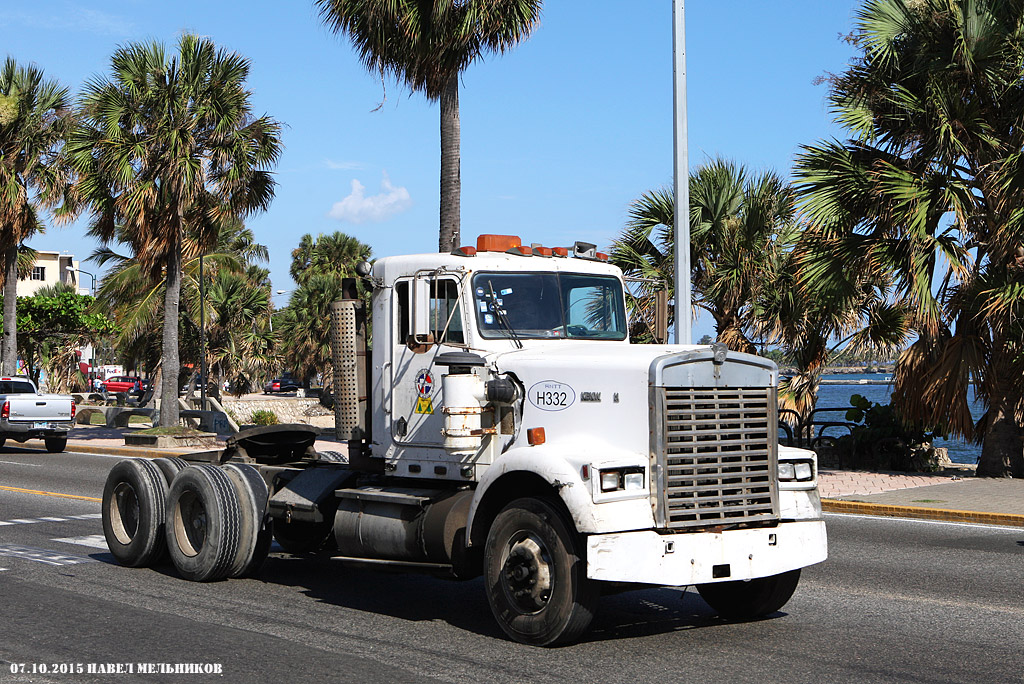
402 300
444 300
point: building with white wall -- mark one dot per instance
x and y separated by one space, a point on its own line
51 268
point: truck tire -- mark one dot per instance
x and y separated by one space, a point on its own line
134 497
536 576
170 466
55 445
746 600
256 532
203 523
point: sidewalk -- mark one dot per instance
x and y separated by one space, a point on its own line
953 498
931 496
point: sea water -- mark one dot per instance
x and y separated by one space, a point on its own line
838 396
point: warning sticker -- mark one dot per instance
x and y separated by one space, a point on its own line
424 388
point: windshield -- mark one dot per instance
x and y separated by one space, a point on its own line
549 306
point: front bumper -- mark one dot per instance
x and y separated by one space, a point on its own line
701 557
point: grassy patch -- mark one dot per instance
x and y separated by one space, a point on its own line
176 430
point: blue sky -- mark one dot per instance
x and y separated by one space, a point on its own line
558 136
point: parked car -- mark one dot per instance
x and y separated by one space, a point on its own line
122 383
281 385
26 413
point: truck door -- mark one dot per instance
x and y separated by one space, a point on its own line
417 419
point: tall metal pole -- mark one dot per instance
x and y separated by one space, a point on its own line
681 177
202 335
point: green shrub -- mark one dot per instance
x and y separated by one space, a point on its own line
882 438
264 417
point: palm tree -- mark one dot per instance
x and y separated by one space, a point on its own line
929 191
739 227
168 149
335 253
135 297
319 266
426 44
34 115
241 343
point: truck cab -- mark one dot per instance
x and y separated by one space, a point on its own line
506 372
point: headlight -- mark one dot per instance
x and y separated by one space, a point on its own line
622 479
796 471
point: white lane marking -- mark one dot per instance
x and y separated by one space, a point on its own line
67 518
42 555
976 526
27 465
96 541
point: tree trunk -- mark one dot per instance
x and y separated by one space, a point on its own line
1002 452
9 360
171 361
451 179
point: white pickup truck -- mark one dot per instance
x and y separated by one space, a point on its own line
26 413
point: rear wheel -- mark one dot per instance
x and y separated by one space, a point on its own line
169 467
133 512
203 523
256 530
746 600
55 445
536 575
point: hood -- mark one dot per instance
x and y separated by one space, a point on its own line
581 390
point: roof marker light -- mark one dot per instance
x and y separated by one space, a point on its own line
520 250
497 243
542 251
561 252
465 251
601 256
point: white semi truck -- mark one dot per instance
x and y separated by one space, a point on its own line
503 425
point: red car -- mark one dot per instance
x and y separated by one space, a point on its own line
122 383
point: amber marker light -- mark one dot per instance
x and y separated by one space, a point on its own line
497 243
466 251
602 256
542 251
561 252
535 436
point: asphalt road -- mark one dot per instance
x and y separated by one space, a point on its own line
898 601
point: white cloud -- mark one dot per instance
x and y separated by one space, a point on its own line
342 165
358 208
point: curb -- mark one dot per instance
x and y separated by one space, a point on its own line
137 452
943 514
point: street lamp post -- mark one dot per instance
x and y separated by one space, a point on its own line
681 177
72 269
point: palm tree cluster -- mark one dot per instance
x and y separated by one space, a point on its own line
319 266
166 151
928 192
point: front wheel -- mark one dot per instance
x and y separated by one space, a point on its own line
536 575
746 600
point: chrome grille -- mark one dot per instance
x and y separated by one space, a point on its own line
716 456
